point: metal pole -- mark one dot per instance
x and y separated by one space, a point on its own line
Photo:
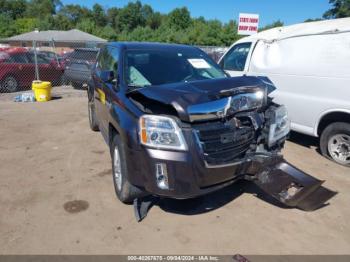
54 50
36 62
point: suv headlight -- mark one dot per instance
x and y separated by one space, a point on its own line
280 125
247 101
161 132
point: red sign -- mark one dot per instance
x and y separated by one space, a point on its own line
248 24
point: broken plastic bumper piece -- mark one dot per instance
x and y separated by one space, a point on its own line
289 185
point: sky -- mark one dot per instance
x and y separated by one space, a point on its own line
288 11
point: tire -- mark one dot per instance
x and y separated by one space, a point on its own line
335 143
77 85
62 80
9 84
125 191
92 113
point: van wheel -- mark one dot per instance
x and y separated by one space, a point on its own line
92 114
125 191
9 84
335 143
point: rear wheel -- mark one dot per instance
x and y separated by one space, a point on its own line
125 191
9 84
335 142
92 113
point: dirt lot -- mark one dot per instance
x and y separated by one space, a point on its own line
49 156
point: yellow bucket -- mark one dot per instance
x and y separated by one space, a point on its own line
42 91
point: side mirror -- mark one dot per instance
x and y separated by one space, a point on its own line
108 76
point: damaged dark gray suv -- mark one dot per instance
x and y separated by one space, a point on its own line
179 127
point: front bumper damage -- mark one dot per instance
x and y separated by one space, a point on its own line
276 177
287 184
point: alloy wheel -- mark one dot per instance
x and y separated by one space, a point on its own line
339 148
117 171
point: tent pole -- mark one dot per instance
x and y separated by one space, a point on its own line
36 61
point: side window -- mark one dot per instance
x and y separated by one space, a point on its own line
108 59
236 58
18 58
40 58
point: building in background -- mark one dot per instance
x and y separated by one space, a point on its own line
61 40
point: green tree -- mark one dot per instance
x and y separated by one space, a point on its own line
13 8
112 17
87 25
340 9
133 22
130 17
277 23
229 33
99 15
312 20
154 21
179 18
60 22
42 8
24 25
5 29
75 13
108 33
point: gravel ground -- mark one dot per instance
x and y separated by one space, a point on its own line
50 157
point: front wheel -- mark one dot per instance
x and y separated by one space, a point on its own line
125 191
92 113
335 143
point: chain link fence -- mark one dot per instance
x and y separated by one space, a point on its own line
215 52
61 65
21 64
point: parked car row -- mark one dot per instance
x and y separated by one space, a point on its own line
17 67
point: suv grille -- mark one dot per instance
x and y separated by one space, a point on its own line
223 142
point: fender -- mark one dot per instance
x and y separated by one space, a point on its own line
323 114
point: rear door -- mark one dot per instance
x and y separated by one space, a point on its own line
47 70
236 61
21 69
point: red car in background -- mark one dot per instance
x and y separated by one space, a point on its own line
17 69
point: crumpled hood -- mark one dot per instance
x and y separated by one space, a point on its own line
184 95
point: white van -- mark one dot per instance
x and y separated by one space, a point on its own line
309 64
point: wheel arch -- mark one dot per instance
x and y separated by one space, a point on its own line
331 116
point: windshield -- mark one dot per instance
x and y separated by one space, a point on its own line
158 67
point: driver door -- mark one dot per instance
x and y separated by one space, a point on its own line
235 62
107 62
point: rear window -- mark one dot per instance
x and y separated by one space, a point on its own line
4 57
20 58
84 54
